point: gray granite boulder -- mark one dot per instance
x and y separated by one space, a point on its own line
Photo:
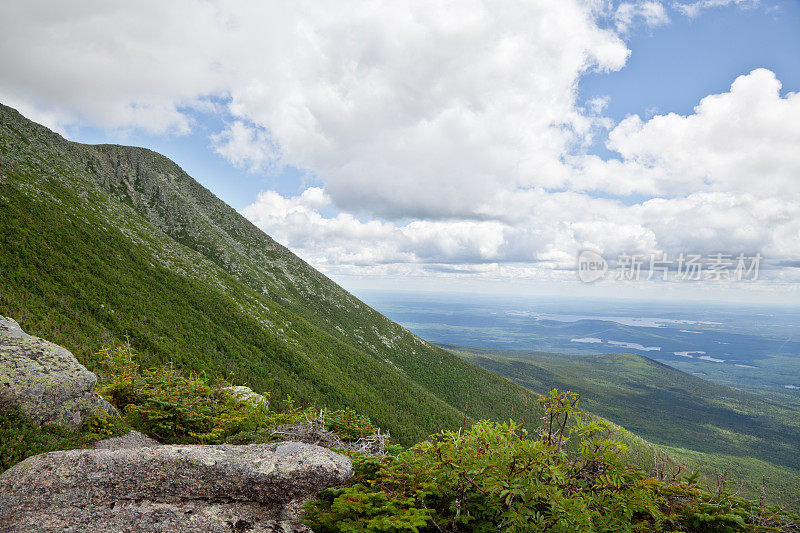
255 488
247 395
45 380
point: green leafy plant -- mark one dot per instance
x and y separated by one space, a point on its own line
570 477
348 424
103 426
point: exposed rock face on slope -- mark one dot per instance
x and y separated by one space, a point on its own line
45 380
168 488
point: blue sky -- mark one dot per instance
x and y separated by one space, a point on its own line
450 147
673 66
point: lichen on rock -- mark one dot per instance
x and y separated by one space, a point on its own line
45 380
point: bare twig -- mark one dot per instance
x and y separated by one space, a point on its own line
464 420
313 431
525 414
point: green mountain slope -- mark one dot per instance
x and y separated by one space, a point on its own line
100 243
723 427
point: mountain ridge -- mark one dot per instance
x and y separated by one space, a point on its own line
85 261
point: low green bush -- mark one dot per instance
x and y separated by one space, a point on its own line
21 438
177 409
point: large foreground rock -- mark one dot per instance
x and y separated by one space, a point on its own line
45 380
167 488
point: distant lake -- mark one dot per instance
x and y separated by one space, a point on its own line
755 347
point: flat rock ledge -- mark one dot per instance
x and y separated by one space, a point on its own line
162 488
45 380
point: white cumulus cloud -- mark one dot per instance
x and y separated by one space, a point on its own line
743 140
693 9
725 178
246 146
650 12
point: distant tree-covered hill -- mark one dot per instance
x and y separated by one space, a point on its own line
711 425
